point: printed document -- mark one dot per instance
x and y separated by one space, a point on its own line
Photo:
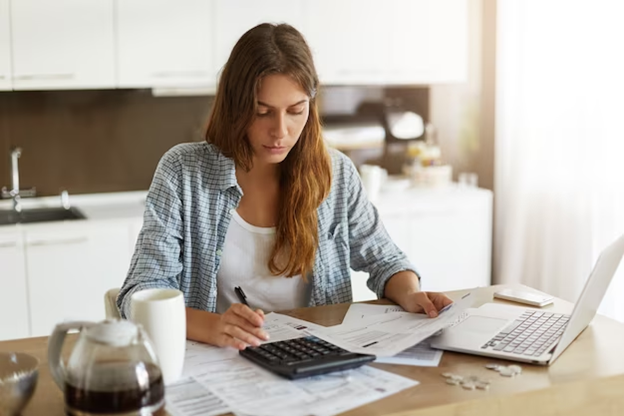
219 380
359 311
388 334
189 398
283 327
421 354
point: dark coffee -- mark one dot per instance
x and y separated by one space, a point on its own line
117 388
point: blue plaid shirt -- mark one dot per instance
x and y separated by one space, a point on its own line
187 215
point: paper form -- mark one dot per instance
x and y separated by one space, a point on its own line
218 380
388 334
189 398
421 354
315 396
358 311
283 327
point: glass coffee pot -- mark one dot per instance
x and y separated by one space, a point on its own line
112 370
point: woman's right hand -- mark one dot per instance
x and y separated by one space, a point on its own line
240 327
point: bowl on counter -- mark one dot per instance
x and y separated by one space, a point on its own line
18 379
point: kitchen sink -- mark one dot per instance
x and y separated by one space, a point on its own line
39 215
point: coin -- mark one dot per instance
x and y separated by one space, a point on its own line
516 369
468 386
452 382
447 375
506 372
482 386
492 366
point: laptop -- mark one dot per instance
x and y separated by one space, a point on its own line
531 335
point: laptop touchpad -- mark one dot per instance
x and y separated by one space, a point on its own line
481 324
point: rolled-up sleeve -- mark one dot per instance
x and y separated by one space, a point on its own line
156 262
371 248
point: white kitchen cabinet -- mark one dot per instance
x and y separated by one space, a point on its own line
349 40
446 234
13 294
389 42
165 43
70 266
62 44
234 17
5 46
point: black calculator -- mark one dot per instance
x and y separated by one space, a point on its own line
304 357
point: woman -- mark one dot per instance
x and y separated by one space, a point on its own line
263 205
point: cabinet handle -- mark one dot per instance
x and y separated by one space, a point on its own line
7 244
55 242
43 76
179 74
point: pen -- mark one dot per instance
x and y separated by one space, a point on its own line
241 295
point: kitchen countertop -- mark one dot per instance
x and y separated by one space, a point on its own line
131 205
99 206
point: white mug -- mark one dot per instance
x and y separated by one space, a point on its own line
162 314
373 178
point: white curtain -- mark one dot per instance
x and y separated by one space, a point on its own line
559 176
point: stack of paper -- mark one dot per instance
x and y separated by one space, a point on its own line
219 380
387 334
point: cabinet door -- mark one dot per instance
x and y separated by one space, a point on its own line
410 44
389 42
5 46
62 44
165 43
451 245
349 40
13 298
235 17
448 50
70 268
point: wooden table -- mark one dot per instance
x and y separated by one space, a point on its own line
587 379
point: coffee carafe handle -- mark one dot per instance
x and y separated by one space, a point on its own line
55 344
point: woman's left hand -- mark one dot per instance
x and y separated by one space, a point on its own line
425 302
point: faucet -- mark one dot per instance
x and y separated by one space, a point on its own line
16 152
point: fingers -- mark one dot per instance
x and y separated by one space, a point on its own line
422 299
440 300
257 332
228 341
246 313
241 334
241 327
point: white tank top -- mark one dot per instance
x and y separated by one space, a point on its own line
244 263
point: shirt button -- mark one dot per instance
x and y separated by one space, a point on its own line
213 292
219 252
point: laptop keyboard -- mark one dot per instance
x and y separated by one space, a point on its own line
531 334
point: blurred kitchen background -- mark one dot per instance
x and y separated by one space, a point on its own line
485 132
102 89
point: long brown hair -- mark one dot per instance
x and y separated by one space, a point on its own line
306 172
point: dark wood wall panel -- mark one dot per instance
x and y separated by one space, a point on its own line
111 140
94 141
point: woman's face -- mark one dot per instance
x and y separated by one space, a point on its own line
283 109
